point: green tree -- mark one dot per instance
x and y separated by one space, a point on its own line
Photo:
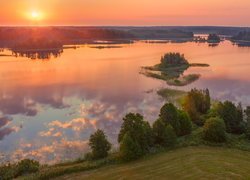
164 135
197 103
214 130
173 59
169 115
232 116
129 148
99 144
185 123
139 130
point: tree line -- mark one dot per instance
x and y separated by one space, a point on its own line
137 137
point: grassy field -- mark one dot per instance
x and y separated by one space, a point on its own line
184 163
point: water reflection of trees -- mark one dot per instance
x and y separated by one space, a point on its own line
38 54
42 48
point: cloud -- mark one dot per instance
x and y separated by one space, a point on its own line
62 150
4 121
4 131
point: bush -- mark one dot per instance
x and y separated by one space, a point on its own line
214 130
171 137
26 166
248 133
169 115
99 145
164 135
8 171
130 148
185 123
139 130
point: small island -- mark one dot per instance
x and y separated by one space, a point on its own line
171 70
213 38
242 39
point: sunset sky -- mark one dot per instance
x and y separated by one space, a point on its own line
125 12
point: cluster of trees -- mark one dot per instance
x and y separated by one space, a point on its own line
68 35
197 104
244 35
150 33
214 38
173 59
137 137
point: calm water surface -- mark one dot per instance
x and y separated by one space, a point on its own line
49 108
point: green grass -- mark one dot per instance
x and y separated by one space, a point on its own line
199 162
192 158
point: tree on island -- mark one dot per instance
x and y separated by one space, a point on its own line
244 35
173 59
213 38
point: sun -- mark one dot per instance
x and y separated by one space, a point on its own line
34 14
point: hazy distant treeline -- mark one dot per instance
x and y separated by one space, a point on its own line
13 36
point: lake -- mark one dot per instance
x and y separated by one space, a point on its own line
49 108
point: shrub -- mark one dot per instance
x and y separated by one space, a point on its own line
185 123
164 135
139 130
26 166
214 130
99 145
169 115
8 171
130 148
171 137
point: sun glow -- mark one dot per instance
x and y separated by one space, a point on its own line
35 15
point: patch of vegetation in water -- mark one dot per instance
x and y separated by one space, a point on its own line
171 70
172 95
105 47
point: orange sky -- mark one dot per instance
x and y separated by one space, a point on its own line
126 12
